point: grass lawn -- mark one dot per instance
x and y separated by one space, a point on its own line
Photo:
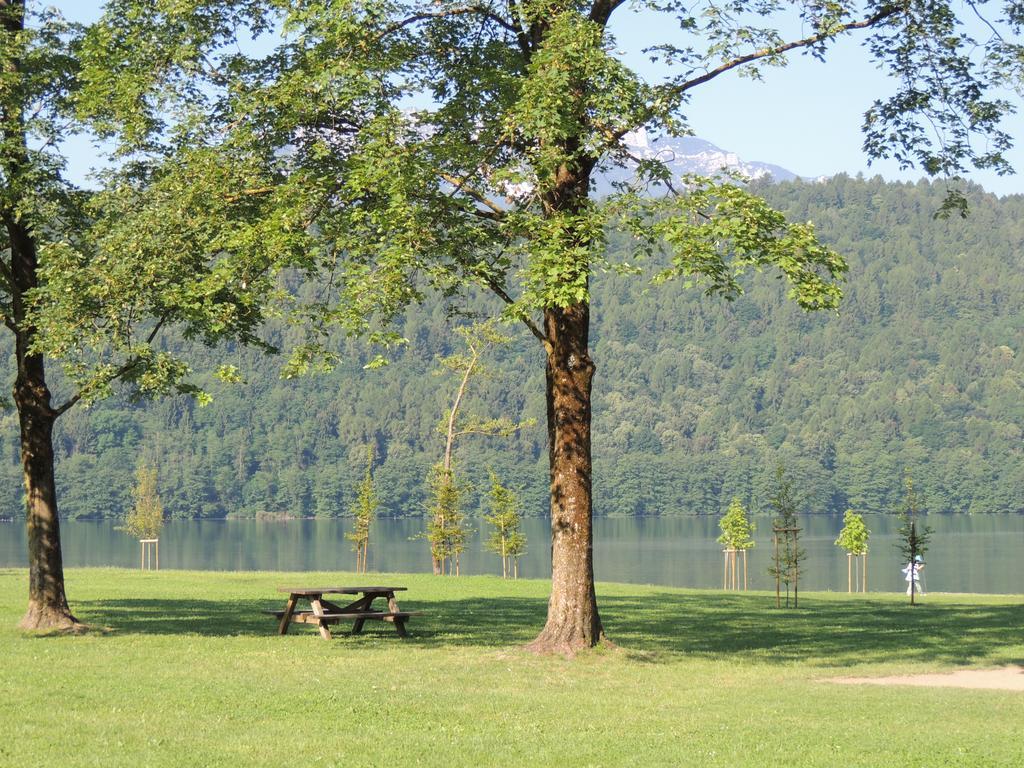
183 670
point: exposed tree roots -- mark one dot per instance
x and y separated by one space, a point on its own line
567 645
43 618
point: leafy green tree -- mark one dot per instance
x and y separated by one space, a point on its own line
736 536
446 525
854 535
478 339
69 288
854 539
363 513
507 540
491 186
913 535
515 548
737 528
145 520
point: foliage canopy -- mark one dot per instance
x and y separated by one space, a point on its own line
737 529
145 519
854 535
507 540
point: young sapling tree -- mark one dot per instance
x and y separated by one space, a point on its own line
145 520
363 512
737 536
516 548
444 533
446 528
507 539
788 555
913 537
854 539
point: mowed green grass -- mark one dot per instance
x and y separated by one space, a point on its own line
181 669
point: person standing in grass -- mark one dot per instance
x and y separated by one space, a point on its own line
912 575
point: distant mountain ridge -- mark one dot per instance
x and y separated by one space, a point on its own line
696 400
689 154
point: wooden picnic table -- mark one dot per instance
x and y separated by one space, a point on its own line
323 613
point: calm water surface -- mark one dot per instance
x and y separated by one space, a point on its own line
968 554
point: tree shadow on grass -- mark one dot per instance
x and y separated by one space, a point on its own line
490 622
149 616
652 627
821 633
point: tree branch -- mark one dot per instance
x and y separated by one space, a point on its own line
156 329
521 36
985 21
883 14
764 53
602 10
460 11
57 412
501 293
490 216
460 185
249 193
126 368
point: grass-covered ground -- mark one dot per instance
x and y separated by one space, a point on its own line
182 670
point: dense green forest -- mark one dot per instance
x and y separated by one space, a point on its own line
696 399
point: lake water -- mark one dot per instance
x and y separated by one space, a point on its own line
982 553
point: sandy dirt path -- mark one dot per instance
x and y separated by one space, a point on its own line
1009 678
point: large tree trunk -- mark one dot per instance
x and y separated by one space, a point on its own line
573 622
47 603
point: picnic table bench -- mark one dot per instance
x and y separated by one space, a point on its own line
323 613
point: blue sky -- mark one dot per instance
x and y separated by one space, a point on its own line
805 117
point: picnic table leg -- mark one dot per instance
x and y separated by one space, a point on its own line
357 627
286 618
318 610
399 623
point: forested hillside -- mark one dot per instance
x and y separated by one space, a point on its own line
696 399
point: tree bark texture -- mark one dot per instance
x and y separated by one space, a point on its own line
573 621
47 602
